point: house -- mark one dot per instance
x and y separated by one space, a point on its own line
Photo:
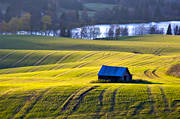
114 74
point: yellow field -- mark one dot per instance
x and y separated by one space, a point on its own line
45 77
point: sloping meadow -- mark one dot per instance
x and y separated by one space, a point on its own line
47 77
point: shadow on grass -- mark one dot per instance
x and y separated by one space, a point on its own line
135 81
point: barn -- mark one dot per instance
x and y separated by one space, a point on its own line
114 74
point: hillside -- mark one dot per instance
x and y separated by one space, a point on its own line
51 77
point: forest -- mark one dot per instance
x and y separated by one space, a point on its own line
64 15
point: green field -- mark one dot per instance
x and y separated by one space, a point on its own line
48 77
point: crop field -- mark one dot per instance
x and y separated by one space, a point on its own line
48 77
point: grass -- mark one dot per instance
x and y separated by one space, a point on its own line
48 77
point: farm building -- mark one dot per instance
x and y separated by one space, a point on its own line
114 74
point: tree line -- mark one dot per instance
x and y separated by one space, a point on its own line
47 16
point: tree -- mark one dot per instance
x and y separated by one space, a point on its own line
84 32
152 29
118 31
46 20
4 27
25 22
111 31
176 30
14 25
125 31
140 30
169 31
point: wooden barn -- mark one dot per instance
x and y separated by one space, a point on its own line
114 74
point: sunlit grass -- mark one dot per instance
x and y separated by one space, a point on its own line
50 73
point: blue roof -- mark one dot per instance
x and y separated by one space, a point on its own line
112 71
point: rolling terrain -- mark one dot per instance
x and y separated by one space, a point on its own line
48 77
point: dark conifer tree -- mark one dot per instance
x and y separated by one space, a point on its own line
176 30
169 31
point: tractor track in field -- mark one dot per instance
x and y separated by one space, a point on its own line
19 112
165 100
24 58
66 72
154 73
68 100
72 102
78 66
40 61
100 58
84 57
113 100
81 97
43 58
5 94
101 96
139 59
6 56
142 61
158 51
146 73
87 56
86 74
175 104
34 99
84 63
151 98
121 59
64 58
61 60
58 62
138 108
151 74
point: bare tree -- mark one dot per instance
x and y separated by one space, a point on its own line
124 31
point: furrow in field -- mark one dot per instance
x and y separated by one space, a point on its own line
40 61
147 74
139 61
64 58
101 96
22 110
121 59
100 58
137 107
82 58
68 100
72 103
87 56
43 58
158 51
165 100
154 73
151 100
85 63
175 105
30 104
113 100
24 58
61 74
5 94
6 56
80 97
87 74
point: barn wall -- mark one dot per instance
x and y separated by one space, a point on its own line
111 78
